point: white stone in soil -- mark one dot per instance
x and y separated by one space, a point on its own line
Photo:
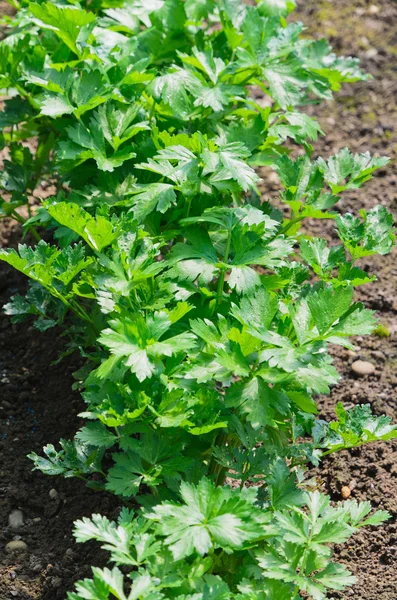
53 494
15 519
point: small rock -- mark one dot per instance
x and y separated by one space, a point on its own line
53 494
351 354
4 380
15 519
69 552
363 368
345 491
37 568
373 9
37 520
16 546
56 582
371 53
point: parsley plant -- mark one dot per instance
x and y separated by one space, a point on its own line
203 312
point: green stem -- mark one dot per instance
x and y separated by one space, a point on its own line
253 74
79 310
214 467
189 206
19 218
42 155
290 224
221 281
28 97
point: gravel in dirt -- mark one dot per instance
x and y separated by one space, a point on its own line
364 118
38 407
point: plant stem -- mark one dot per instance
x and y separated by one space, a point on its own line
291 223
221 281
20 219
189 206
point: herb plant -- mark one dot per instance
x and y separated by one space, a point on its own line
203 312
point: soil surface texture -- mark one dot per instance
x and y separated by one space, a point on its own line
38 406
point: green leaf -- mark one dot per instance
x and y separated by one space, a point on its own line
356 427
55 106
303 401
74 458
327 306
36 263
199 9
276 7
228 163
258 401
96 434
66 21
84 143
211 517
345 171
315 252
373 235
138 342
256 311
282 486
155 196
335 577
286 81
96 231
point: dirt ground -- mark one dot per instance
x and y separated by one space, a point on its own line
38 407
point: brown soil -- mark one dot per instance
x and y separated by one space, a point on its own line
37 405
364 117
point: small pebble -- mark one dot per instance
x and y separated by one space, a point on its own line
345 491
15 519
37 520
37 567
371 53
53 494
16 546
69 552
373 9
363 368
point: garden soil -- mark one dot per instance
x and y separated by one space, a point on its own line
38 407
